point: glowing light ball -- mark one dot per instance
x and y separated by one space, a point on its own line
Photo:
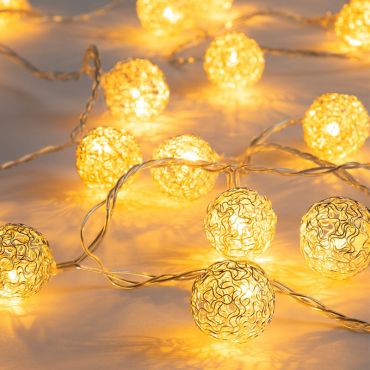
353 24
233 301
234 60
185 182
26 261
135 89
335 237
104 155
240 223
163 17
335 126
7 17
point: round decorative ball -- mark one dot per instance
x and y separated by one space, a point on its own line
240 223
234 60
233 301
335 237
353 24
135 89
104 155
26 261
7 17
163 17
335 126
180 181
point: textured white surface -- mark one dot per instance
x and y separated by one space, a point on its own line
79 321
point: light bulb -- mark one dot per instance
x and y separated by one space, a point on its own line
240 223
335 237
104 155
233 301
181 181
234 60
26 261
353 24
163 17
135 89
7 17
335 126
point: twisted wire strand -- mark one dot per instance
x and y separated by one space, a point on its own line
91 67
83 17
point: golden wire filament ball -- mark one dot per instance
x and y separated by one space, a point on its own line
353 24
335 126
184 182
165 17
104 155
335 237
234 60
240 223
26 261
135 89
233 301
12 6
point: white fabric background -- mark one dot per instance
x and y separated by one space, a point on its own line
78 320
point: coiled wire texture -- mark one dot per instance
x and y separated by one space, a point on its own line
335 237
26 261
233 300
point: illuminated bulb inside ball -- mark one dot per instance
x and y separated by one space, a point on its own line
335 237
136 90
335 126
182 181
163 17
6 17
240 223
104 155
233 301
234 60
353 24
26 262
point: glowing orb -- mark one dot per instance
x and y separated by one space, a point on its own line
335 237
233 301
7 17
234 60
104 155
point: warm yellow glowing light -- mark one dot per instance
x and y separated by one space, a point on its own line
184 182
164 17
104 155
12 5
335 126
353 24
335 237
26 261
240 223
136 90
233 60
233 301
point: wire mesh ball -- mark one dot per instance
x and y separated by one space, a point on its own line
234 60
7 17
135 89
163 17
335 126
180 181
353 24
233 301
26 261
335 237
104 155
240 223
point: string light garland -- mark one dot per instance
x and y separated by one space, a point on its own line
240 223
184 182
352 24
335 237
335 126
26 262
104 154
6 8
